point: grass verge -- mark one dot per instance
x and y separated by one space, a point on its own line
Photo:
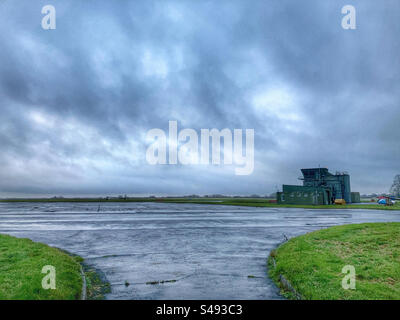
312 263
21 264
267 204
249 202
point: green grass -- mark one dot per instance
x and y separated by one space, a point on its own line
267 204
313 262
250 202
21 263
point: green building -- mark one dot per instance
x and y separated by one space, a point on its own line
355 197
319 187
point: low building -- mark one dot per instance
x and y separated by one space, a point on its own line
355 197
303 195
320 187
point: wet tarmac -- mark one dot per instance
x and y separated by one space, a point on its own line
192 251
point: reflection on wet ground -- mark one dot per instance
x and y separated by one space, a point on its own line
175 251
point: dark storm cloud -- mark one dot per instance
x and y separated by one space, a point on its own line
76 102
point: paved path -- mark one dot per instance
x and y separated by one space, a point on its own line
209 250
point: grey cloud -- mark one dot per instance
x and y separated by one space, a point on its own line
206 62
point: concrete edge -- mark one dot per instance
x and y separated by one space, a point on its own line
286 284
84 288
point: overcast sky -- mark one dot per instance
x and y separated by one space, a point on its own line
76 102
